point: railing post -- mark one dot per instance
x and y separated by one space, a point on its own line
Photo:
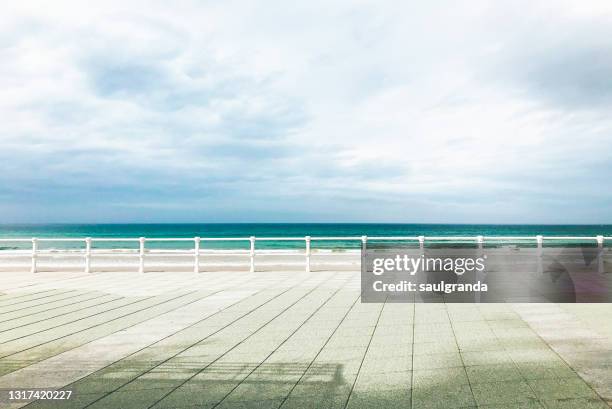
480 275
480 243
34 256
600 259
539 241
252 254
196 252
141 254
307 239
364 246
88 255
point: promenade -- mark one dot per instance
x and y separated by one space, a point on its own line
289 339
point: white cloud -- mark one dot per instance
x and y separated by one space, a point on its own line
350 110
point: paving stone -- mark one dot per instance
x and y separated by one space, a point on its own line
431 378
437 361
493 373
502 392
388 399
580 403
445 396
550 389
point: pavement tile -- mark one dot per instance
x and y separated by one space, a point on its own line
550 389
383 381
436 361
442 397
543 356
493 373
423 336
427 348
252 404
132 398
313 397
502 392
252 391
393 399
387 364
580 403
431 378
555 370
486 358
515 405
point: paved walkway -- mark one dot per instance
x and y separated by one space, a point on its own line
290 340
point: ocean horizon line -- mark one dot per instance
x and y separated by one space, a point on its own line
4 224
263 230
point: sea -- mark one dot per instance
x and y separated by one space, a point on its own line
244 230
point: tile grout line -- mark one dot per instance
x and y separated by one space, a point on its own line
286 339
200 340
460 354
89 316
514 364
365 354
36 299
54 308
239 343
45 303
16 296
319 352
83 275
560 357
412 352
84 318
106 322
178 288
168 336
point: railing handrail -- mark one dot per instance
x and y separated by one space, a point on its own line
312 238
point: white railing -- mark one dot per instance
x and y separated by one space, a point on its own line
197 253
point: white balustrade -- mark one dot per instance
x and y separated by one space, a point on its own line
89 254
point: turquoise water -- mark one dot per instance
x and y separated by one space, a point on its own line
275 230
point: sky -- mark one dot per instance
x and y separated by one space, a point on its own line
344 111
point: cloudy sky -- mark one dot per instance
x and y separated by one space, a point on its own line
434 111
